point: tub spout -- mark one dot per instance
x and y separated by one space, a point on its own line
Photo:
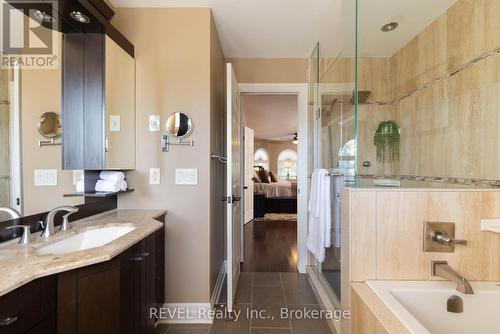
443 270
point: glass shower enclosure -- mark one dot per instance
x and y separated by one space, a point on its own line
333 103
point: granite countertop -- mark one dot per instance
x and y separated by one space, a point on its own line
22 264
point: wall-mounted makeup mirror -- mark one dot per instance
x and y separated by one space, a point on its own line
179 125
50 125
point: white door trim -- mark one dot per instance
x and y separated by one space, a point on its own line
301 90
15 139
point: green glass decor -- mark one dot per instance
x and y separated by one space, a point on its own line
386 139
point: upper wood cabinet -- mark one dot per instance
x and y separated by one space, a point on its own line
119 83
98 102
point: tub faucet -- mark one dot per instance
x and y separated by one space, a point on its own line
443 270
48 226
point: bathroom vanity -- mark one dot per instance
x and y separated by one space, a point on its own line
105 289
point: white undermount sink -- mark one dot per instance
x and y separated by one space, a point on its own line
86 239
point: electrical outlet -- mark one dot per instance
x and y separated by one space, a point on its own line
45 177
114 123
154 123
154 176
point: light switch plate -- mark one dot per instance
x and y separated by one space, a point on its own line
186 176
45 177
154 176
114 123
154 123
77 176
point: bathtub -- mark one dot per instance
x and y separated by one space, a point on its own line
421 306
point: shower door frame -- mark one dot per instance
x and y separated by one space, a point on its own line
301 91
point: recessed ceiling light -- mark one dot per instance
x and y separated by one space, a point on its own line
389 27
79 16
43 17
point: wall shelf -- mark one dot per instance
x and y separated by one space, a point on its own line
98 194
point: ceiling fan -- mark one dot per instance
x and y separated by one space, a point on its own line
291 137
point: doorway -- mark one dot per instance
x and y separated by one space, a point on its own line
275 141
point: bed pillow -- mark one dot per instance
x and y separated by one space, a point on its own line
273 177
257 177
264 176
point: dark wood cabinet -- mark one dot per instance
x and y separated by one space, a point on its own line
109 297
30 308
114 296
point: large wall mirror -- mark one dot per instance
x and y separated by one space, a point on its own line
31 177
119 81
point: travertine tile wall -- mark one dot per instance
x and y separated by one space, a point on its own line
386 233
451 127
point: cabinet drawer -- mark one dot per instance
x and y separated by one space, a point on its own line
21 309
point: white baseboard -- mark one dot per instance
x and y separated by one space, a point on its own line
184 313
192 313
218 284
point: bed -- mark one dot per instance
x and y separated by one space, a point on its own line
275 197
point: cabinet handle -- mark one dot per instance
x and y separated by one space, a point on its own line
7 321
137 258
145 254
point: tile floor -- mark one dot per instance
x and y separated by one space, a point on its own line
270 292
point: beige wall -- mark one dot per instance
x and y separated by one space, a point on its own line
270 70
41 92
274 148
174 60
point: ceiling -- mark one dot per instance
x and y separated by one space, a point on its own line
271 116
290 28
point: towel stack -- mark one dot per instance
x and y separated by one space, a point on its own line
111 181
80 184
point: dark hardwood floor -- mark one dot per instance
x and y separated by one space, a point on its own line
270 246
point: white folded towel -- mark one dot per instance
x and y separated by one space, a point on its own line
123 185
110 175
319 235
80 186
108 186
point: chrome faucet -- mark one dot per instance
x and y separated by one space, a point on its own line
14 214
443 270
48 226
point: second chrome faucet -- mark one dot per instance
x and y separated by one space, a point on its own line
48 226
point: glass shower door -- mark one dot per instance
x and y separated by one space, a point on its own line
333 133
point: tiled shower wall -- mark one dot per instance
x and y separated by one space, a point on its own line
383 233
449 127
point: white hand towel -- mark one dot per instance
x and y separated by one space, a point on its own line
319 208
108 186
80 186
110 175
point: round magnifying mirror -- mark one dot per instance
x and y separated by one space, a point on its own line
179 125
50 125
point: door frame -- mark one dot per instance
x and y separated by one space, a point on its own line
15 140
301 91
